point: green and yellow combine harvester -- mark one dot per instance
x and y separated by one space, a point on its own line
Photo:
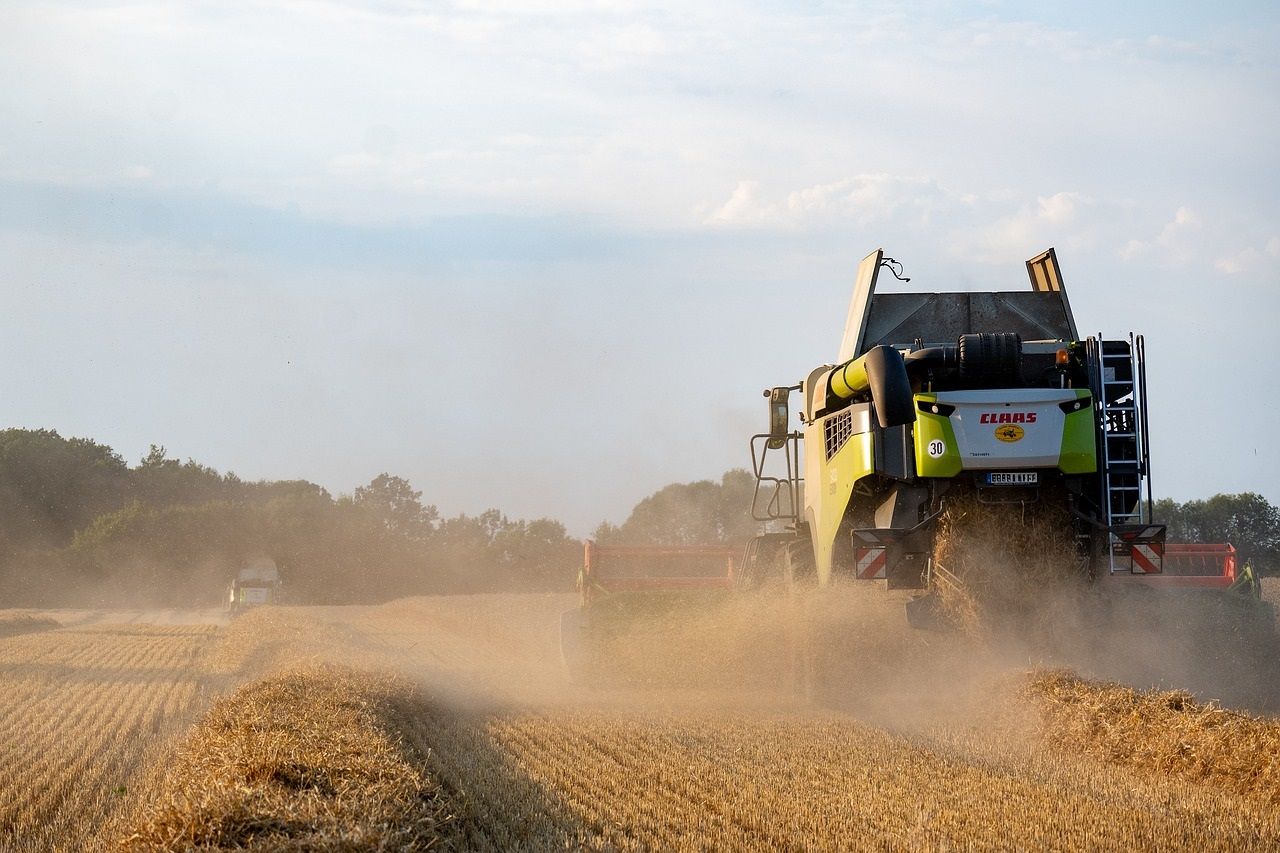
991 398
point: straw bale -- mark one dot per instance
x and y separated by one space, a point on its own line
1163 731
1002 561
308 760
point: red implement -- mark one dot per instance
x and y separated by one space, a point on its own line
1192 566
609 569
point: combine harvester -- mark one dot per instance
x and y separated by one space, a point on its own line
993 398
256 584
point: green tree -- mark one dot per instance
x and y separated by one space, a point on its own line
398 505
1247 520
51 486
536 555
699 513
161 481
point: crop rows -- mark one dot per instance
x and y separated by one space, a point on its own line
484 746
610 771
305 759
83 709
609 781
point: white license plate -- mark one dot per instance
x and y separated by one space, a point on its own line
1013 478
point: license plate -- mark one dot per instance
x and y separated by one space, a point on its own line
1013 478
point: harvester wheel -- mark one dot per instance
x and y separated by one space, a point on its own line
580 650
798 563
800 575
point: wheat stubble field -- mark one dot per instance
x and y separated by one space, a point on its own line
446 723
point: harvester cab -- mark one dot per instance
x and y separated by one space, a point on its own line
934 396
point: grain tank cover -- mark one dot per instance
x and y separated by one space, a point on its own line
260 569
900 319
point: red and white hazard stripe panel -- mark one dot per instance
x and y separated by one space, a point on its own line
870 563
1147 559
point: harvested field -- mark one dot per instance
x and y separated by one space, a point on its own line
81 712
308 758
477 742
795 781
26 624
1167 732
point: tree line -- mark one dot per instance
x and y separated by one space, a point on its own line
1248 521
81 527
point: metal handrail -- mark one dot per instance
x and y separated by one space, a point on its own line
789 484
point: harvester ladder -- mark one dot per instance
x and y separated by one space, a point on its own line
1121 400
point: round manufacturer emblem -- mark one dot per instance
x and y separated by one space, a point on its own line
1010 432
936 448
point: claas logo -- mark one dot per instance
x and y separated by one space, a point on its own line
1007 418
1009 432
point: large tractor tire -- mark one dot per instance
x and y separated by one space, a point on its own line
803 645
799 566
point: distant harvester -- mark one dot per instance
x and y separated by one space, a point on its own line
257 583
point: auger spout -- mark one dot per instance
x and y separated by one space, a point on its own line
883 372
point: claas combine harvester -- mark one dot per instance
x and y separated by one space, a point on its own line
992 397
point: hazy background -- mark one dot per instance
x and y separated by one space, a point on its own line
546 256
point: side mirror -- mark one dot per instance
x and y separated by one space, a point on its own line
779 417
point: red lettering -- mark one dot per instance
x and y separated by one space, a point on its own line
1007 418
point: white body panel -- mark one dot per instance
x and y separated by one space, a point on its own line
255 595
1030 414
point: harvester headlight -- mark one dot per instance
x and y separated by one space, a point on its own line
943 409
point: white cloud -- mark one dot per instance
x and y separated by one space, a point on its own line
1059 208
859 200
746 207
1250 258
1175 245
1053 220
641 113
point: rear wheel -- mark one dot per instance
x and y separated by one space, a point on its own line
800 576
799 567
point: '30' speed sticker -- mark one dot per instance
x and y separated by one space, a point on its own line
937 447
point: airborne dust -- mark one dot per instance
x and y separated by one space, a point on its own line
810 688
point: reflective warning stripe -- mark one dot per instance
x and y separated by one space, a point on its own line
870 563
1147 559
1146 533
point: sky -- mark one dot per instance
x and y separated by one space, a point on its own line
545 256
